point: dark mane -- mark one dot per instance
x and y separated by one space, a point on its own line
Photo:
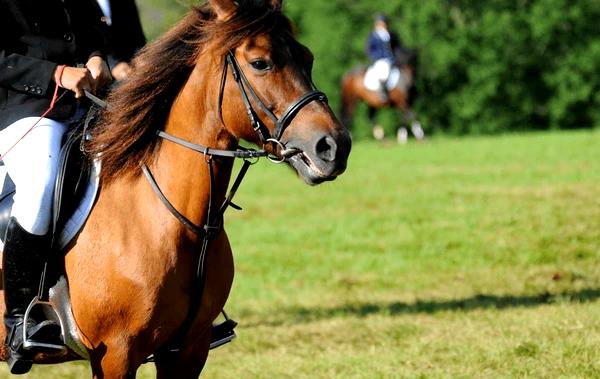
126 133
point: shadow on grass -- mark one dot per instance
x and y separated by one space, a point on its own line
305 314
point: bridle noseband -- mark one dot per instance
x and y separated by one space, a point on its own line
280 123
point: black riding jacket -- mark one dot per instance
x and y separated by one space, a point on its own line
35 37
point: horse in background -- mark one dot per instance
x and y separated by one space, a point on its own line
229 71
399 97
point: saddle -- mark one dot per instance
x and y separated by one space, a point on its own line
374 81
7 192
71 183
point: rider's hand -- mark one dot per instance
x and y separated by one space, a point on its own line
121 71
75 79
100 72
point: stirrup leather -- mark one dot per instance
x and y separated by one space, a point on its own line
29 344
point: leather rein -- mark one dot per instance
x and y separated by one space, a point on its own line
213 225
281 123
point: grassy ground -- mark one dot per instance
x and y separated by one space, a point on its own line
455 258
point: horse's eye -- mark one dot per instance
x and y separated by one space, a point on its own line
260 65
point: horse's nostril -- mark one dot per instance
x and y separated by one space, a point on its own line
326 149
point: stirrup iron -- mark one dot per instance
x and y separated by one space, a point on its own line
35 345
222 333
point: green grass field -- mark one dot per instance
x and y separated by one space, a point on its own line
456 258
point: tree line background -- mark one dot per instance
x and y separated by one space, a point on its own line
485 66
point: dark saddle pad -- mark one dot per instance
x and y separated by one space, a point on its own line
71 181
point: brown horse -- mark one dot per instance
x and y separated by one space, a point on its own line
400 98
196 92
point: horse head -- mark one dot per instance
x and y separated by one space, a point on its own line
405 56
268 76
231 69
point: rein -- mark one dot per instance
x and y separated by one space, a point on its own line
210 230
55 99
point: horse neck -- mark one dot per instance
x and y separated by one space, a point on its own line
182 173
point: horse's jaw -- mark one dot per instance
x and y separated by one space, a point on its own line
308 171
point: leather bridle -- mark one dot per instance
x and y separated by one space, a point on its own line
280 124
213 225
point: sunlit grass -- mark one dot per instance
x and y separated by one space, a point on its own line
455 258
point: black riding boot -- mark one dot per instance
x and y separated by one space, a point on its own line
384 94
22 263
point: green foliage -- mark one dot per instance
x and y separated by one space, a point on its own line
159 15
485 66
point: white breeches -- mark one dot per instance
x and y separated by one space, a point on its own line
382 69
32 165
378 74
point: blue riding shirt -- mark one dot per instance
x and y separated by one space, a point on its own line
381 46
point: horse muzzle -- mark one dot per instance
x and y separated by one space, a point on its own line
320 158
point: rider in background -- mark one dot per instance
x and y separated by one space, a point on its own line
125 34
43 44
382 46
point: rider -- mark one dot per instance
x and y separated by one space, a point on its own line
382 47
43 43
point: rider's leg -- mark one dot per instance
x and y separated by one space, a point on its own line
383 68
32 165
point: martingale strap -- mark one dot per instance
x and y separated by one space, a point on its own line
184 220
211 228
208 232
214 223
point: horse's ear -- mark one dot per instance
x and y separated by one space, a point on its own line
277 4
223 8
